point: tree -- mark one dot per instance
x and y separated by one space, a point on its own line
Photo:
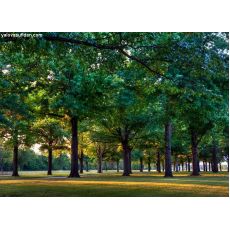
51 136
120 122
201 79
16 133
139 156
81 93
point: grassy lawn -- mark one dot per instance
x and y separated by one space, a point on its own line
111 184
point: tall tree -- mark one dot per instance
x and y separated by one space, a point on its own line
51 136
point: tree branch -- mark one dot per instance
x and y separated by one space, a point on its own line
115 47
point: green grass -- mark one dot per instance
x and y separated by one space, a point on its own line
111 184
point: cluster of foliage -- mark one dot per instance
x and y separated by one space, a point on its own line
155 99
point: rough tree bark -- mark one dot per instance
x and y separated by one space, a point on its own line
15 155
74 148
15 160
50 156
168 163
126 161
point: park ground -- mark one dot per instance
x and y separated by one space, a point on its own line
112 184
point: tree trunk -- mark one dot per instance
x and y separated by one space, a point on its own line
214 158
149 164
50 156
220 167
195 169
168 163
126 161
118 165
198 165
182 166
81 162
99 170
177 165
189 168
141 164
204 166
15 159
163 166
130 160
74 148
209 166
158 162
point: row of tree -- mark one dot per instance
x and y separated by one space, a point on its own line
117 92
31 161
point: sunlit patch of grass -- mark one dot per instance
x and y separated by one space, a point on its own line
113 184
